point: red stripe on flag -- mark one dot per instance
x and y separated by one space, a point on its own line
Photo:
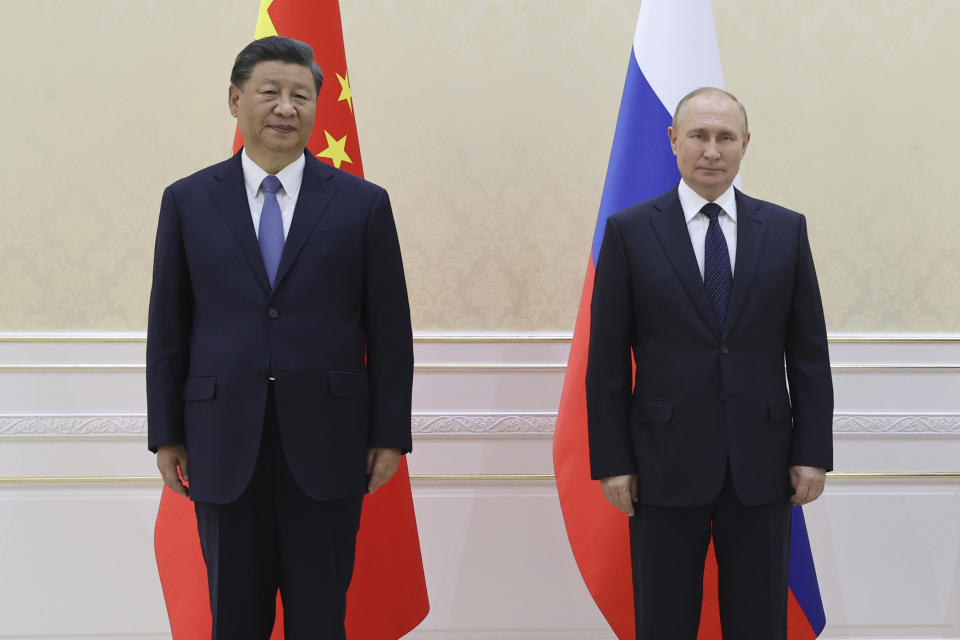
710 609
180 563
798 626
599 534
388 594
386 578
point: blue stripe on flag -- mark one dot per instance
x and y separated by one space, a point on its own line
803 576
641 164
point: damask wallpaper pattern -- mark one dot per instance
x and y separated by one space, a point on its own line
490 123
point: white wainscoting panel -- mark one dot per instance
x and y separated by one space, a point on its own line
76 559
888 557
495 563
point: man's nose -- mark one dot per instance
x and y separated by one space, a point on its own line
711 151
285 106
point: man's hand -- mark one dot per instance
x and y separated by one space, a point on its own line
381 465
621 492
169 457
807 483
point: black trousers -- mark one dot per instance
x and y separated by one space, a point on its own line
276 537
752 545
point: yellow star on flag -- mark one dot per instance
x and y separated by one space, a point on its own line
264 23
335 151
345 93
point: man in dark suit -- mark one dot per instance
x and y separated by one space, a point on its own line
279 356
711 292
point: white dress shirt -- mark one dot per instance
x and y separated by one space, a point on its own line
697 223
291 177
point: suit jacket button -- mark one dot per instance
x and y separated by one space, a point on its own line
273 314
724 350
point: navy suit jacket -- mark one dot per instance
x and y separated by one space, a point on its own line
701 398
334 332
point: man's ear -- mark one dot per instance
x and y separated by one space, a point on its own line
233 99
673 139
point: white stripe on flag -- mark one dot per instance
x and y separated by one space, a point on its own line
675 45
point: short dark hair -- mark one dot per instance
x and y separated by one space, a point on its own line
274 48
696 92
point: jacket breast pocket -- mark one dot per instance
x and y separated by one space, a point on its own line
199 388
652 411
349 384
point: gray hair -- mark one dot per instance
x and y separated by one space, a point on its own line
702 90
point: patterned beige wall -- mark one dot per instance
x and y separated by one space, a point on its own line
103 104
854 115
490 122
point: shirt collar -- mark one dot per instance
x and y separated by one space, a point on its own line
291 176
692 202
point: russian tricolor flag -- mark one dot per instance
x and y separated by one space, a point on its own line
674 51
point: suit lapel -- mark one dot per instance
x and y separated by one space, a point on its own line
671 228
750 236
230 196
315 196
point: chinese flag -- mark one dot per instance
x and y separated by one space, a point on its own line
388 594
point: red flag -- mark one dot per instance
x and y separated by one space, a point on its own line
388 594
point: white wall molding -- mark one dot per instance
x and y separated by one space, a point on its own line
60 425
876 423
72 405
465 336
428 424
490 424
511 634
459 424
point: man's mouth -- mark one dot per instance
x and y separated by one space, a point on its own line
283 128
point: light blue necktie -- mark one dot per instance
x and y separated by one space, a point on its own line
717 276
270 236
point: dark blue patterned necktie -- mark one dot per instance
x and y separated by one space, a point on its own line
717 277
270 237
